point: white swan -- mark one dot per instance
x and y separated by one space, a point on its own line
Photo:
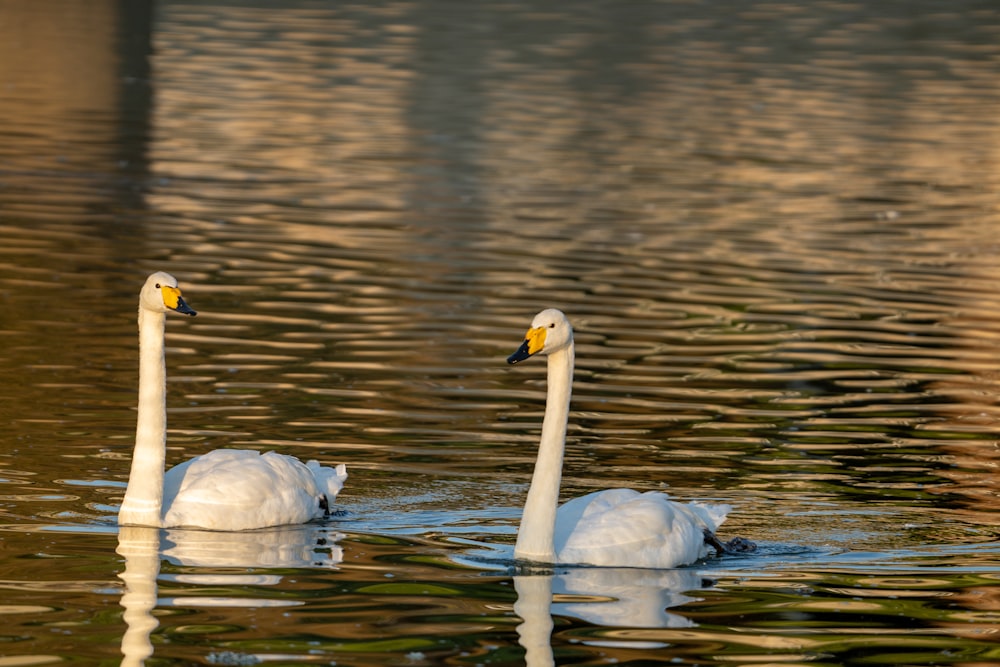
615 527
226 489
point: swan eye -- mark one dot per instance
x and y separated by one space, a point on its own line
157 285
552 326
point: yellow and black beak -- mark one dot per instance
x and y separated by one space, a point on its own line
533 343
172 299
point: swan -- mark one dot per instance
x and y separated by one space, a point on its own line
614 527
226 489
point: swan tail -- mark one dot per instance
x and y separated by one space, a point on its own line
329 480
712 515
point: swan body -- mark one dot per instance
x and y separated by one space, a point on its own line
615 527
226 489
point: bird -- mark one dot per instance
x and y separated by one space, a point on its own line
224 489
613 527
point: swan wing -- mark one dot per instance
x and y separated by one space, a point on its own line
628 528
234 489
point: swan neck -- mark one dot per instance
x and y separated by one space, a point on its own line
536 536
144 497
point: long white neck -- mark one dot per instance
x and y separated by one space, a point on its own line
538 522
144 497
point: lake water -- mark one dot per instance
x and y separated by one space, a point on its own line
775 226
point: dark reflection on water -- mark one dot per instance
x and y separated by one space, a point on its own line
773 226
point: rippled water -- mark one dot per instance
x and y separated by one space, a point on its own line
774 227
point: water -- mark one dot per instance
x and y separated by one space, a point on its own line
773 225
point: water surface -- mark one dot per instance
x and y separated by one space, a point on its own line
773 226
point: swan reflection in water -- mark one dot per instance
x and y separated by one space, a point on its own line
612 597
299 546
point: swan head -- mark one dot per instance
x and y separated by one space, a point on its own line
550 331
160 294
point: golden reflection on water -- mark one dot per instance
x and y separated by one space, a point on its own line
783 263
773 226
770 261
